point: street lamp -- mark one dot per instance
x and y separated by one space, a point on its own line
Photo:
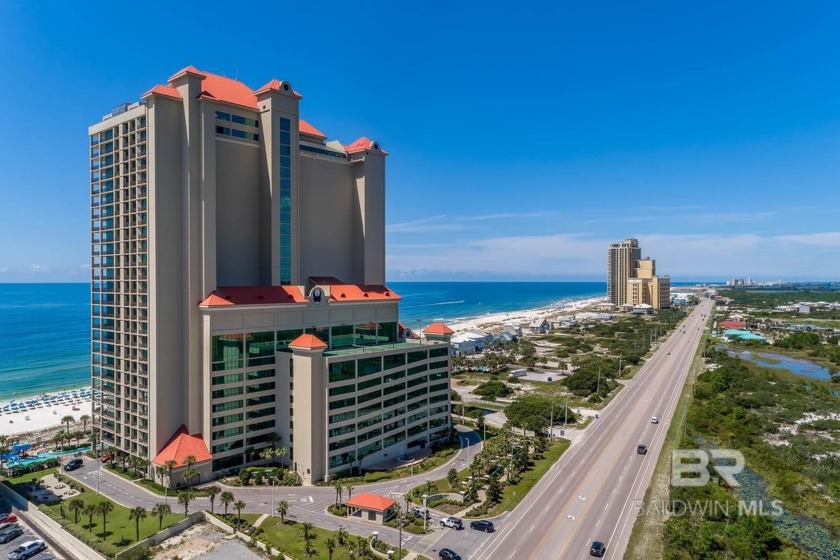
425 512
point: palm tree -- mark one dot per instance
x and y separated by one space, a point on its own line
84 419
68 420
239 504
249 453
137 514
212 492
75 505
308 537
184 498
160 511
90 510
339 488
342 536
104 508
169 466
143 466
267 454
330 542
189 474
59 438
189 461
282 509
226 499
349 488
281 453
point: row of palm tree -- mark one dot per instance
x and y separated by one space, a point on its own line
339 491
103 508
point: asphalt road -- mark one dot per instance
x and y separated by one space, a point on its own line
306 503
591 493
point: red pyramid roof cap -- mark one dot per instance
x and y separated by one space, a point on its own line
439 329
370 501
308 342
180 446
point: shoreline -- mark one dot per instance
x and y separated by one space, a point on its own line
491 320
42 413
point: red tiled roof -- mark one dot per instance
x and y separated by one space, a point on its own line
370 501
181 446
438 329
362 292
363 144
166 91
308 129
733 324
188 70
275 85
253 295
405 332
308 342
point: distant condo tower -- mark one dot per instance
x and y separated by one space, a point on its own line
632 280
238 298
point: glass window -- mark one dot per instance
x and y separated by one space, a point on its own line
418 369
262 374
227 351
229 419
264 425
369 383
323 334
369 366
259 347
260 413
370 396
222 407
394 360
341 336
342 371
230 392
365 334
439 352
342 403
349 428
256 401
334 391
229 432
417 356
375 407
223 116
342 416
269 386
285 337
387 332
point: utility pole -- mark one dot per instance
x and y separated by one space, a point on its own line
566 416
619 366
551 423
598 391
399 522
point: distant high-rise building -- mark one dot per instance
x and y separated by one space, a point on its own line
632 279
621 262
238 297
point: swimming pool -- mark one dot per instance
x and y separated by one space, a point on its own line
44 455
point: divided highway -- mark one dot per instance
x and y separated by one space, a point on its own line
592 492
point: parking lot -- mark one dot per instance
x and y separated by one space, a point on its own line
28 535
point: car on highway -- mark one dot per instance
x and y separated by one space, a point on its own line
7 517
668 353
641 449
27 550
597 549
482 525
654 420
73 465
448 554
451 522
10 534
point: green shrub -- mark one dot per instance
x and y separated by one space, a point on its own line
244 477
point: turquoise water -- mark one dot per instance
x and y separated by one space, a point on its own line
769 360
45 328
44 455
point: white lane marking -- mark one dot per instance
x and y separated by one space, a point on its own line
570 516
582 498
531 530
597 522
547 508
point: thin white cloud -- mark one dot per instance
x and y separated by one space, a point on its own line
38 268
444 222
684 256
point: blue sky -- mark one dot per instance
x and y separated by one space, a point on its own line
523 137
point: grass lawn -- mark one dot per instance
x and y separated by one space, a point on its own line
512 495
118 526
288 537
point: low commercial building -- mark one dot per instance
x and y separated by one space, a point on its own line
371 507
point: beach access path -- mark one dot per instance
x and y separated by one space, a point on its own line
306 503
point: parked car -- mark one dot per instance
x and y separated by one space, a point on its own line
10 534
7 524
8 517
420 512
448 554
73 464
27 550
451 522
482 525
597 549
641 449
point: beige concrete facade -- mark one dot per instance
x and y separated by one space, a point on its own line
203 184
632 279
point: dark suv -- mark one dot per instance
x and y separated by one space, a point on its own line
448 554
73 465
597 549
481 525
641 449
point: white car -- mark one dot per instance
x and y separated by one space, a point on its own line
654 420
451 522
27 549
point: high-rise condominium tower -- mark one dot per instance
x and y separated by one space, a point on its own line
632 279
238 297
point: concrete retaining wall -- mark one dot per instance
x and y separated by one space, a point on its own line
170 531
53 533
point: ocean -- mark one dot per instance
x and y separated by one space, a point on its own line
45 328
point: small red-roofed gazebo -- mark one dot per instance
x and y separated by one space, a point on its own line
438 332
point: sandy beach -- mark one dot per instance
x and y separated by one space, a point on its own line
43 412
493 320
